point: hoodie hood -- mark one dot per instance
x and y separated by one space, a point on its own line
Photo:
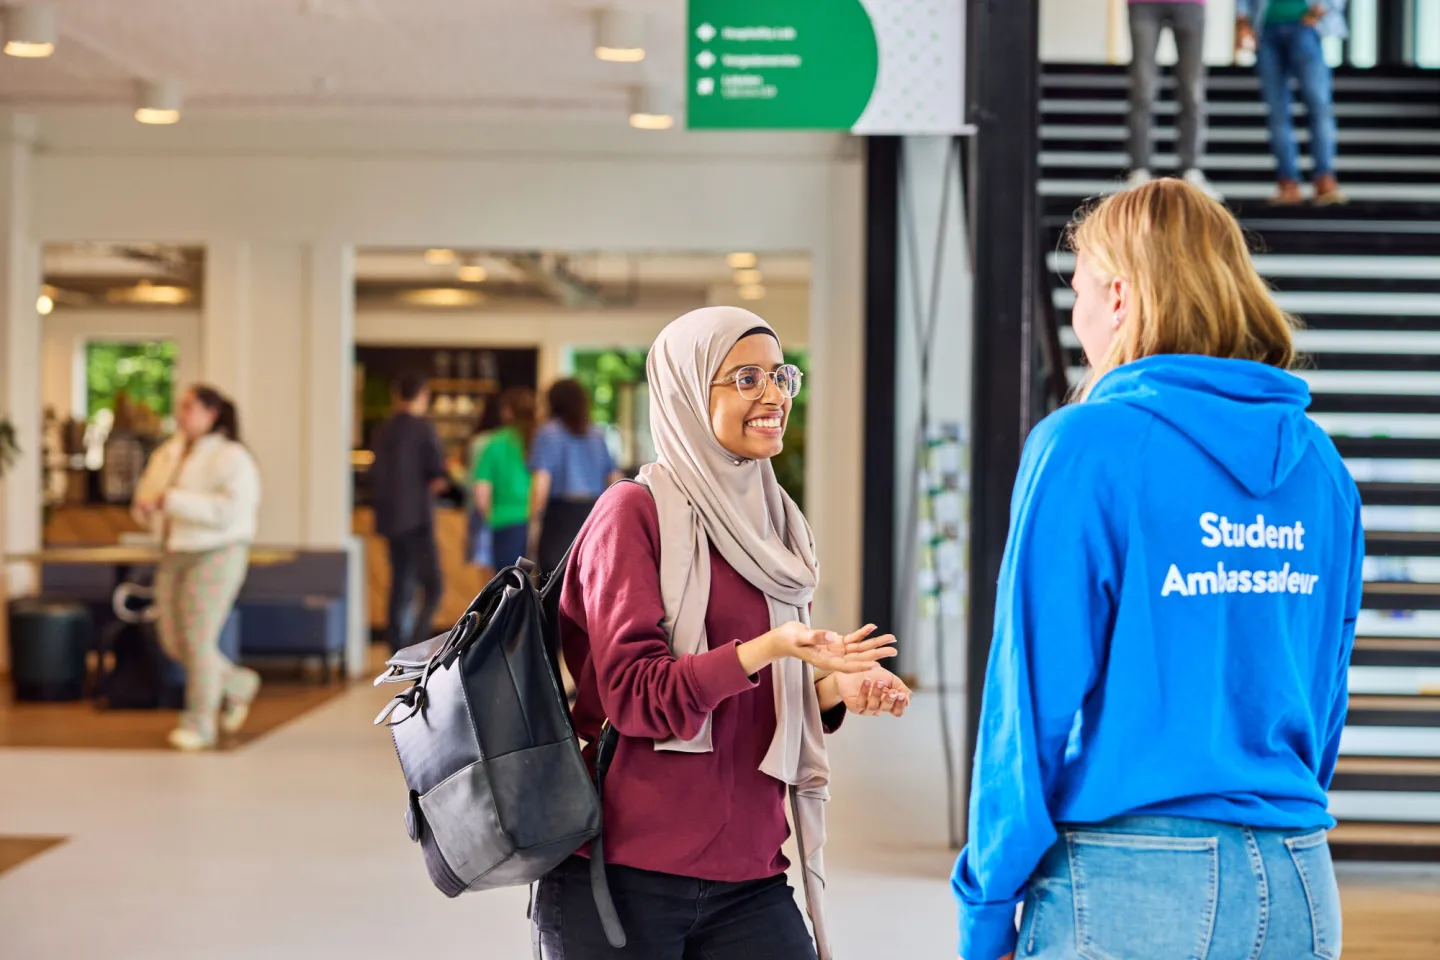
1249 417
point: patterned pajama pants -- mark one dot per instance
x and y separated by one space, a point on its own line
194 593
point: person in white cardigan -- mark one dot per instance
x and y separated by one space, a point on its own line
200 495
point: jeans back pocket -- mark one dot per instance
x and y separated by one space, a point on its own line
1144 897
1311 854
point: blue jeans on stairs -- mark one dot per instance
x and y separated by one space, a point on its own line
1293 51
1171 888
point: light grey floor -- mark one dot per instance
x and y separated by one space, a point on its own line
294 847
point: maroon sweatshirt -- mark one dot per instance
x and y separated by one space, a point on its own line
712 816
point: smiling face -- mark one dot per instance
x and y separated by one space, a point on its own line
750 429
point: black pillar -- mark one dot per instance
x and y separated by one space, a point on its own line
1004 96
882 200
1391 28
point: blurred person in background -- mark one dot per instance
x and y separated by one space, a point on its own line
1176 609
1186 20
502 477
409 472
1286 35
479 539
572 466
200 495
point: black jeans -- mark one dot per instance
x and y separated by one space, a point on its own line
669 918
413 559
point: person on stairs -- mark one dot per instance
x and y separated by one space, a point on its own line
1168 678
1286 37
200 494
1186 20
718 733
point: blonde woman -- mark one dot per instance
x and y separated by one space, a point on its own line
1177 605
201 494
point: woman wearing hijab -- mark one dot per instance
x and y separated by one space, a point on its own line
668 581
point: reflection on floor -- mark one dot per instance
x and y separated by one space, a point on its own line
16 850
294 847
284 697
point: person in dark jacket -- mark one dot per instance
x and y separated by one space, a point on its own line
409 471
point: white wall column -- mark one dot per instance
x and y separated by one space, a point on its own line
329 334
923 165
19 336
835 443
226 357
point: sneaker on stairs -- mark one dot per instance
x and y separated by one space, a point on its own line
1196 178
1138 178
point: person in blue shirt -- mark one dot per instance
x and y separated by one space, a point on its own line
572 466
1167 681
1286 36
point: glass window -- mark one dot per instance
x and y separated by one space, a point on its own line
143 373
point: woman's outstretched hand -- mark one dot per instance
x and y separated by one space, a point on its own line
872 693
823 649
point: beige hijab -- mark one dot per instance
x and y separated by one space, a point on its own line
707 497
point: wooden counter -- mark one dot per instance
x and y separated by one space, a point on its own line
462 581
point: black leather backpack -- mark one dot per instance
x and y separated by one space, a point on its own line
498 792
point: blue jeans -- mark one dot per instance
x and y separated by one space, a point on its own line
507 544
1292 50
1170 888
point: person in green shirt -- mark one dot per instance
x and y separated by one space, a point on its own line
502 476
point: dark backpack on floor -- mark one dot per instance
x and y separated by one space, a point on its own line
499 793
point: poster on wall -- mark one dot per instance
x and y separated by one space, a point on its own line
866 66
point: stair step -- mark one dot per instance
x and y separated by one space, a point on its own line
1378 711
1401 595
1406 448
1396 652
1407 774
1400 494
1374 403
1402 543
1362 840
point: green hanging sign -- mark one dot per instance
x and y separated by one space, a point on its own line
867 66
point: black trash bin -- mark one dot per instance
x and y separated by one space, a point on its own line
48 643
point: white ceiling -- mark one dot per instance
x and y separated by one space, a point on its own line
687 270
298 57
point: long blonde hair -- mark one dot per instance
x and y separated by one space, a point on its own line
1195 288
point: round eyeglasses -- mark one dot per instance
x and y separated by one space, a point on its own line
750 381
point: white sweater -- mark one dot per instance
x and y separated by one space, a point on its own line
212 497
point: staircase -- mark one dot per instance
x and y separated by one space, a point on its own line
1366 281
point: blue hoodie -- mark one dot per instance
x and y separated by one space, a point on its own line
1175 614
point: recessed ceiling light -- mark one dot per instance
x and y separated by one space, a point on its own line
30 30
442 297
752 292
44 305
748 278
742 261
147 293
620 36
472 273
439 257
157 102
650 108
